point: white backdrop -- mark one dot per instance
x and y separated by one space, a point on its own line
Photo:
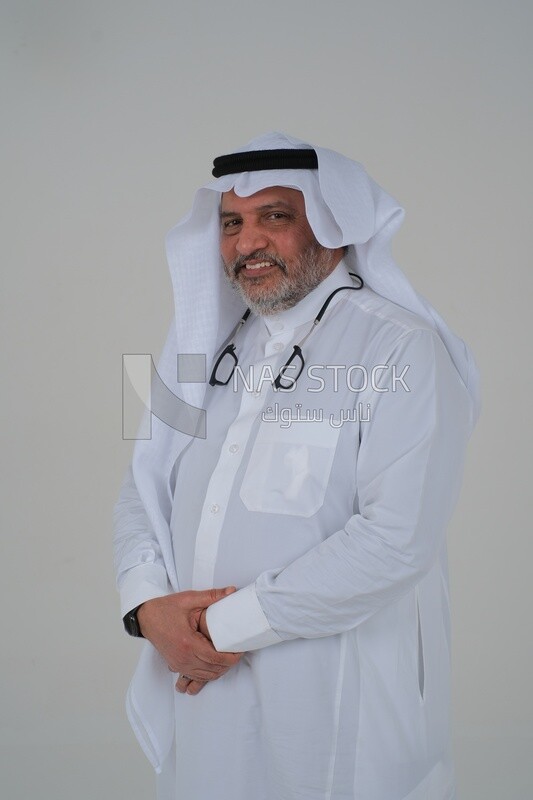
113 112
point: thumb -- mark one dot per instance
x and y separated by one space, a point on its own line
208 596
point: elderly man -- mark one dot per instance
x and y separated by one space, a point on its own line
282 547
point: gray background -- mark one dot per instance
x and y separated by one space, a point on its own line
112 114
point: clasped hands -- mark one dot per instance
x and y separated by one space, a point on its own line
177 628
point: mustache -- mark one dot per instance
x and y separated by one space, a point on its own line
259 255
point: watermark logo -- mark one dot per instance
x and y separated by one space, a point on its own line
145 395
328 377
286 417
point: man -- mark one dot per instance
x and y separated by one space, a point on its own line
287 564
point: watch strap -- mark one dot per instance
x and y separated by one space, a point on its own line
131 623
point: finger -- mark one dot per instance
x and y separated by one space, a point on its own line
203 648
194 687
209 656
192 649
197 669
182 683
200 654
187 685
202 599
205 675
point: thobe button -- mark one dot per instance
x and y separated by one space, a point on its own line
279 346
233 448
214 508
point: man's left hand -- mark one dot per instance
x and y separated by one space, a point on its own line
185 684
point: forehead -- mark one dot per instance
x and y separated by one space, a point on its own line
272 195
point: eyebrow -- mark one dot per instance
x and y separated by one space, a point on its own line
261 209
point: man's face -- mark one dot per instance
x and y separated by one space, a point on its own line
269 251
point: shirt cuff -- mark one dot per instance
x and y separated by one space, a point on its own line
237 623
143 583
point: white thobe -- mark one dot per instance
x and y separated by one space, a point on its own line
327 507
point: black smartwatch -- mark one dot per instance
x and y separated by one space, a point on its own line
131 623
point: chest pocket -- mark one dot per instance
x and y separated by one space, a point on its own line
289 468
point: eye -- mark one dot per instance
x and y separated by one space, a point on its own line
278 216
229 225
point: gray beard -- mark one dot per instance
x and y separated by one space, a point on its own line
311 268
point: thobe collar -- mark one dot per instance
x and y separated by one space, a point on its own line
309 306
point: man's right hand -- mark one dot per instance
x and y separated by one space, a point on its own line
171 624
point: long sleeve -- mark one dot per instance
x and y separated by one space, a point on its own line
408 476
140 571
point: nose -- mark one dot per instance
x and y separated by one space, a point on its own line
250 238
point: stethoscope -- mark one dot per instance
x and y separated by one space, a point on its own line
229 350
